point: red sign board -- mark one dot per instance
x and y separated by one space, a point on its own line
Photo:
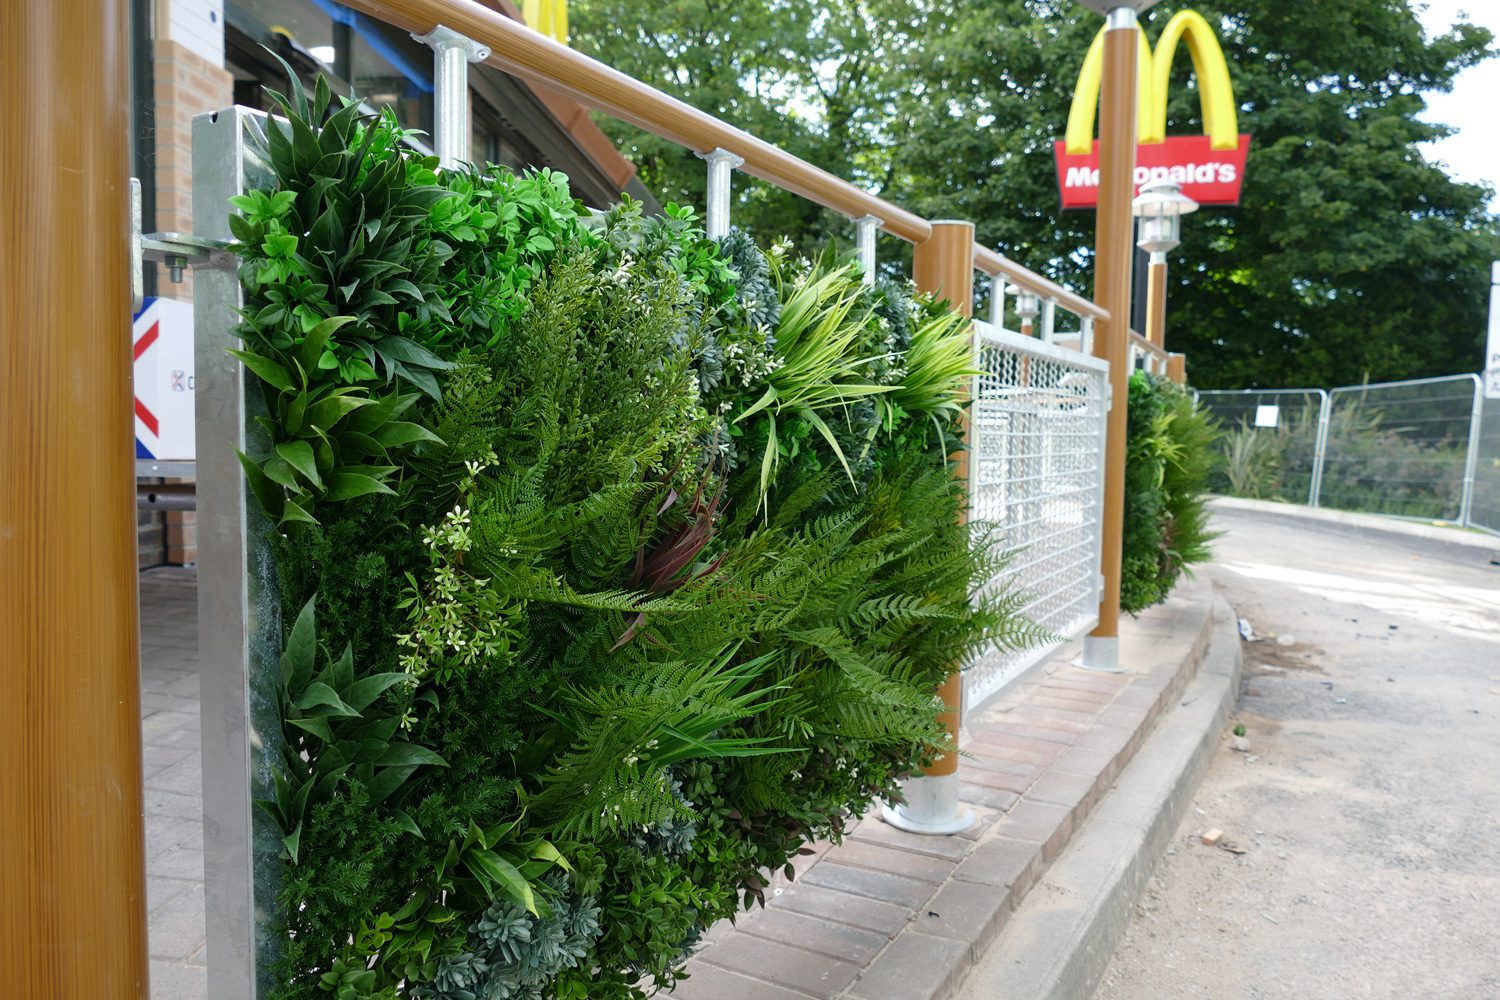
1208 176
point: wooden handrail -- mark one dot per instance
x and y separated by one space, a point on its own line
518 50
522 52
991 262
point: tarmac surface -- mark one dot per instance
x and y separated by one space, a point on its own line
1360 854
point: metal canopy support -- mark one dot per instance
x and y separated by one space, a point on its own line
721 166
865 230
452 53
238 599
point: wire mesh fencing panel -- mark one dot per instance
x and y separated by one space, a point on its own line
1036 475
1399 447
1270 444
1484 497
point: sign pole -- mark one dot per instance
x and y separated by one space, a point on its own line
1115 249
73 868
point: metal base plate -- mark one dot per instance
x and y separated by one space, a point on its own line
956 824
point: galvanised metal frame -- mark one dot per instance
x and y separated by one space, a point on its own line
238 599
1037 406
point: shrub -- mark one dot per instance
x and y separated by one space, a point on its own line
623 600
1170 452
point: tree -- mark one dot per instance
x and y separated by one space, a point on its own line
1350 255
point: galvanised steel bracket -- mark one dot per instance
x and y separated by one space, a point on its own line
176 250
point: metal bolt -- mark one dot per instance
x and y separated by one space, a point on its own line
175 266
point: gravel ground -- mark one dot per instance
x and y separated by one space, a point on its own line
1367 806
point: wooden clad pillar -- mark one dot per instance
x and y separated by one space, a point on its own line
72 868
1115 252
943 264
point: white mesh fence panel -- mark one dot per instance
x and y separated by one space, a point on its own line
1036 477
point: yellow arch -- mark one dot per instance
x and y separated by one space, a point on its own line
1153 78
1080 135
550 17
1215 93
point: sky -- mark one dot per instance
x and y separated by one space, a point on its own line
1473 153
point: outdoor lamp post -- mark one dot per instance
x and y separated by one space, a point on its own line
1159 209
1028 307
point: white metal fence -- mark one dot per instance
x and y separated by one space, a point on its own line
1036 475
1423 448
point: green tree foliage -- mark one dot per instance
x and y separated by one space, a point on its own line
1349 254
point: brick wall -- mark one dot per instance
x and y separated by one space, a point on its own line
186 85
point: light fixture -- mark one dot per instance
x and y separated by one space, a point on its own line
1159 208
1028 305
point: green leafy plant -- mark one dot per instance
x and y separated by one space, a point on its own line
1171 450
619 562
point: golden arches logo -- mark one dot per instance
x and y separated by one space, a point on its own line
1153 76
549 17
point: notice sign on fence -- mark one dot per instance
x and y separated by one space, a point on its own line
1267 416
163 338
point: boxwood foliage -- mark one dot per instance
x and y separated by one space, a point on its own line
616 563
1171 447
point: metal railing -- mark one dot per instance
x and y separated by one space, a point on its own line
1424 448
1036 477
511 46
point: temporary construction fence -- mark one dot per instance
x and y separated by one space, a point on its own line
1036 477
1422 448
1272 441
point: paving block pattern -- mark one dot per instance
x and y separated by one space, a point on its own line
890 915
173 776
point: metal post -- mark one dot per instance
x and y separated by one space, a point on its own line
1049 320
1086 334
238 600
721 165
72 871
864 242
944 266
1114 254
1320 448
997 301
1471 456
452 130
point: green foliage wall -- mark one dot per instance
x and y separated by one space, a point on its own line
615 563
1170 453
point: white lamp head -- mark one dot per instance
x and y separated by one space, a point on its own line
1028 305
1160 207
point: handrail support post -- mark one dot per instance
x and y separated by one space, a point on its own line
721 166
865 230
452 133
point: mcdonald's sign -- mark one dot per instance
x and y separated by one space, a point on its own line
550 17
1210 168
